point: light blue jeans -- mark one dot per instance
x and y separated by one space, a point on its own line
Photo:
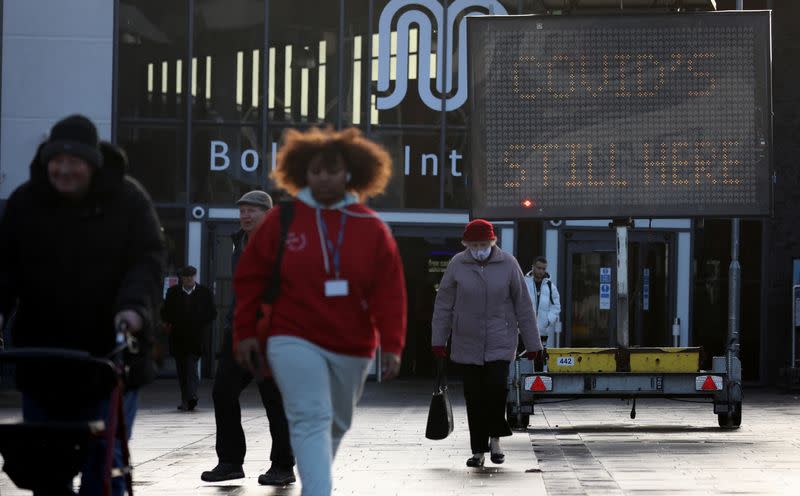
320 390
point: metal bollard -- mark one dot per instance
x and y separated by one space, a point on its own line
676 332
557 343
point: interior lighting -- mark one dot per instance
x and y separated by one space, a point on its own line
239 78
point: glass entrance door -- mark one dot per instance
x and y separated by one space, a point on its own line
590 299
649 282
590 314
219 247
426 252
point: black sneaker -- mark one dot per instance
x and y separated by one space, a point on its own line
191 404
223 472
277 476
475 461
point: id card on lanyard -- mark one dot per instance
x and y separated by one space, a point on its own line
335 285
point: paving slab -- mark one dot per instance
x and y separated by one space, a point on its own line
588 447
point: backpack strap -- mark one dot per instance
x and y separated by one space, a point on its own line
287 214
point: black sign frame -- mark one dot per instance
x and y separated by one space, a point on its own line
483 114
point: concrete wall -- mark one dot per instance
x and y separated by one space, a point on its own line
57 60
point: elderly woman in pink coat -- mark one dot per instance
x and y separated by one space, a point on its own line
482 306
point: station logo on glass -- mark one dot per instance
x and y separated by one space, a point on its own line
419 13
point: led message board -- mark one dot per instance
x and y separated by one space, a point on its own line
617 116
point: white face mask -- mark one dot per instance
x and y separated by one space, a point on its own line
481 254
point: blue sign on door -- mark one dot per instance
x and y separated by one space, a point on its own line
605 296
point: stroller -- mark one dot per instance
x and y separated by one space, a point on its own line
87 378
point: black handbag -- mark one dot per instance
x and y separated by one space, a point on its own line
440 413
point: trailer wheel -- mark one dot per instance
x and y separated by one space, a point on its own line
731 420
517 420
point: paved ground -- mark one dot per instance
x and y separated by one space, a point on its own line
582 448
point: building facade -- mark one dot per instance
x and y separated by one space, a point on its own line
199 93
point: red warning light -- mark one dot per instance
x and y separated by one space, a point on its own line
527 203
538 385
709 385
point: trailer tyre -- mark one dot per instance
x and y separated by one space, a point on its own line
731 420
517 421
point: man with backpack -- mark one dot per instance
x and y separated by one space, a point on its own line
231 380
545 299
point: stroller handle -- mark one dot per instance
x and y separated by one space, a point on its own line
125 341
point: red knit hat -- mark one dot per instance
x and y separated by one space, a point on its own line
479 230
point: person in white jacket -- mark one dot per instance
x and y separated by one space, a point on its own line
545 299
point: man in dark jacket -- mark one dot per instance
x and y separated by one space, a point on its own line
231 380
81 254
188 313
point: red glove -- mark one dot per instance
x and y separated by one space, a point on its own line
439 351
533 355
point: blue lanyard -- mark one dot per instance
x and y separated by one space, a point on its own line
336 251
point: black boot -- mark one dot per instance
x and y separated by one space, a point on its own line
277 476
497 455
223 472
476 460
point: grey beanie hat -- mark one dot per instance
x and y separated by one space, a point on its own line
256 197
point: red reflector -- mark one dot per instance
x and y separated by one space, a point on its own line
538 385
527 203
709 385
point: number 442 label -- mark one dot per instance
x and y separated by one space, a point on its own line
566 361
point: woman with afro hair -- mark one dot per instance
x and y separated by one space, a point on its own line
341 292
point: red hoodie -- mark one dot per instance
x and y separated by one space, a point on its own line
370 262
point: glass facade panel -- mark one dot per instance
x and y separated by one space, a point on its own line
303 61
457 96
417 59
417 165
274 142
456 169
711 283
232 79
156 159
532 7
151 59
173 225
227 161
405 61
356 71
226 72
